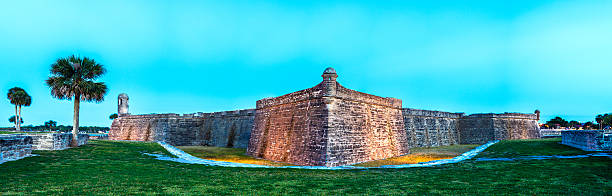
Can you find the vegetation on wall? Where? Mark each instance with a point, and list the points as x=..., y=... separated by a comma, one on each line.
x=113, y=116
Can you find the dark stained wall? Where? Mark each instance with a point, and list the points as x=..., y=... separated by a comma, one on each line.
x=481, y=128
x=222, y=129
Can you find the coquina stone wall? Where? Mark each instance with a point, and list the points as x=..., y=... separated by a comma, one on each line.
x=222, y=129
x=426, y=128
x=14, y=146
x=56, y=141
x=588, y=140
x=480, y=128
x=328, y=125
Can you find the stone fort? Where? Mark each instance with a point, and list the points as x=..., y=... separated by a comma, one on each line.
x=326, y=125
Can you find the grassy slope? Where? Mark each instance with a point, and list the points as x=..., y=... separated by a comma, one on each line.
x=417, y=155
x=517, y=148
x=105, y=167
x=237, y=155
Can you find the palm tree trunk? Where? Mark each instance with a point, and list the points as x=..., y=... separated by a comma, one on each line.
x=16, y=117
x=19, y=120
x=75, y=121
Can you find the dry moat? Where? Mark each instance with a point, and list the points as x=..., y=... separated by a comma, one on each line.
x=417, y=155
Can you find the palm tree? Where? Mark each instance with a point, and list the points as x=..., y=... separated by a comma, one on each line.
x=19, y=98
x=73, y=78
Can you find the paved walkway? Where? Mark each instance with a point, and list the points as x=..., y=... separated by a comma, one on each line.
x=184, y=157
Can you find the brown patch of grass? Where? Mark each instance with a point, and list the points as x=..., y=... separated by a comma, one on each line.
x=419, y=155
x=236, y=155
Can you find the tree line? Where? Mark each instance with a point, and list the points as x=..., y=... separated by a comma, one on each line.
x=602, y=121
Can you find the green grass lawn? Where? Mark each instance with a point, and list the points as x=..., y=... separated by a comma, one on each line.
x=119, y=168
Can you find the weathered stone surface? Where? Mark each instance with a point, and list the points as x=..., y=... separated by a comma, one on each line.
x=97, y=136
x=328, y=125
x=55, y=141
x=480, y=128
x=123, y=105
x=222, y=129
x=426, y=128
x=588, y=140
x=15, y=146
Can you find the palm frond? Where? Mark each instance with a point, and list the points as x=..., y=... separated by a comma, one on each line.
x=72, y=76
x=62, y=67
x=93, y=91
x=91, y=70
x=12, y=91
x=61, y=87
x=20, y=98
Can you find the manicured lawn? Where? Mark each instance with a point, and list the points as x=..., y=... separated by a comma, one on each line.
x=119, y=168
x=237, y=155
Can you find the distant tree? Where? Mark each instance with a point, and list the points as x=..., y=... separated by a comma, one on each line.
x=574, y=124
x=557, y=122
x=74, y=78
x=604, y=120
x=19, y=98
x=589, y=125
x=607, y=120
x=113, y=116
x=12, y=119
x=598, y=119
x=50, y=125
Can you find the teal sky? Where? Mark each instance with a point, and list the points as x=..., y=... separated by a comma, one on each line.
x=206, y=56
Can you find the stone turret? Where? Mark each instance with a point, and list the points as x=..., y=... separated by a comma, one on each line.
x=329, y=81
x=123, y=105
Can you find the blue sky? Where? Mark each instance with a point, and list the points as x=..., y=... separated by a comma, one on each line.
x=206, y=56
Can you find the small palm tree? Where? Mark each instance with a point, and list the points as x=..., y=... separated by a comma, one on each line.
x=74, y=78
x=19, y=98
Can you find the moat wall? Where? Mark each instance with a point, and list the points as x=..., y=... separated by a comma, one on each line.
x=222, y=129
x=14, y=146
x=480, y=128
x=588, y=140
x=426, y=128
x=56, y=141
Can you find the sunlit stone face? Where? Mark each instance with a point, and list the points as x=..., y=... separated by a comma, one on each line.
x=328, y=125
